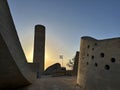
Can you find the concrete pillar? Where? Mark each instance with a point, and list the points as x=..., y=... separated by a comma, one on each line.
x=39, y=47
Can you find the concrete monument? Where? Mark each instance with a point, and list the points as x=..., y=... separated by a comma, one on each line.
x=39, y=48
x=99, y=64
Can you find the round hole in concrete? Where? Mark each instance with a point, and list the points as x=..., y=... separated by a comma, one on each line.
x=113, y=60
x=92, y=48
x=96, y=64
x=87, y=54
x=88, y=46
x=107, y=67
x=87, y=63
x=102, y=55
x=92, y=57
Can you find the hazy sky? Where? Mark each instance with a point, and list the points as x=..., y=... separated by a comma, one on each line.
x=65, y=21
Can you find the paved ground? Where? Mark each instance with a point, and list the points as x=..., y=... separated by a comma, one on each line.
x=54, y=83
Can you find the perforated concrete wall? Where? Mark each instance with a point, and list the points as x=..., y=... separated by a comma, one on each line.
x=99, y=64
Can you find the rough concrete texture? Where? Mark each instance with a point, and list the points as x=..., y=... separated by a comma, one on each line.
x=39, y=47
x=14, y=70
x=99, y=64
x=33, y=67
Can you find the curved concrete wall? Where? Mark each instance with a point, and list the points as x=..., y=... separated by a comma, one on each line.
x=99, y=64
x=14, y=70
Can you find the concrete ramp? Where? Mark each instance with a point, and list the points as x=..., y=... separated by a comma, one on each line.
x=14, y=69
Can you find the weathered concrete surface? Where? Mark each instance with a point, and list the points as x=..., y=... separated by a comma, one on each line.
x=14, y=70
x=99, y=64
x=33, y=67
x=39, y=47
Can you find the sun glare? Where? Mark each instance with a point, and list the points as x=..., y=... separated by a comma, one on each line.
x=29, y=56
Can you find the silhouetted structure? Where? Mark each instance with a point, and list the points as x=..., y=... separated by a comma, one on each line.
x=75, y=66
x=55, y=70
x=52, y=68
x=39, y=48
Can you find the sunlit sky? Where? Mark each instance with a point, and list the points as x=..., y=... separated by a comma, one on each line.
x=65, y=21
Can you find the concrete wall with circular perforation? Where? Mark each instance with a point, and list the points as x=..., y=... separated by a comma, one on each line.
x=99, y=64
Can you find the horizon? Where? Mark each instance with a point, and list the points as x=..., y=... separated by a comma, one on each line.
x=66, y=22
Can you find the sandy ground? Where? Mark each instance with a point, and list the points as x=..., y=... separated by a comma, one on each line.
x=54, y=83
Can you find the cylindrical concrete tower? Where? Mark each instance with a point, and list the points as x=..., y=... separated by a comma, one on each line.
x=39, y=47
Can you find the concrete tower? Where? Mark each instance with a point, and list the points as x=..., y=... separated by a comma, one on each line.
x=39, y=47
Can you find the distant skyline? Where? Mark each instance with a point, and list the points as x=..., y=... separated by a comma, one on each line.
x=66, y=21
